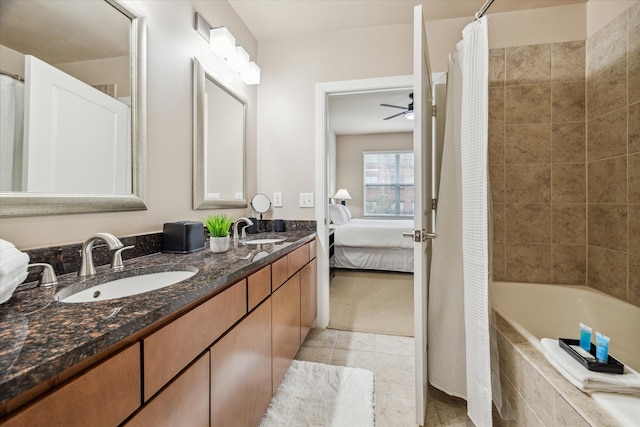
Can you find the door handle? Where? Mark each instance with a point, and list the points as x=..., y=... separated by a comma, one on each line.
x=420, y=235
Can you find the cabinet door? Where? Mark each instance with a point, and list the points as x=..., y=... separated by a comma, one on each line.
x=285, y=327
x=185, y=402
x=258, y=287
x=241, y=371
x=308, y=297
x=104, y=396
x=297, y=259
x=170, y=349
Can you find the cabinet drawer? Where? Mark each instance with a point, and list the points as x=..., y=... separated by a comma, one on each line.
x=170, y=349
x=297, y=259
x=258, y=287
x=104, y=396
x=312, y=249
x=185, y=402
x=279, y=273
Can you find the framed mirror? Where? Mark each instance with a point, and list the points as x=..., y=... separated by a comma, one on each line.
x=218, y=144
x=76, y=75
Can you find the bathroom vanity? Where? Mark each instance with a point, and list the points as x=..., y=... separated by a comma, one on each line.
x=210, y=350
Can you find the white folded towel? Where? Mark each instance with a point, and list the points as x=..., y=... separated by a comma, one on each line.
x=586, y=380
x=13, y=269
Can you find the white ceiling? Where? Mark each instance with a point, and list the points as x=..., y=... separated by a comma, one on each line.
x=361, y=113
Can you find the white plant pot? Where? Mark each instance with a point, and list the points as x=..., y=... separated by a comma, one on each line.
x=219, y=244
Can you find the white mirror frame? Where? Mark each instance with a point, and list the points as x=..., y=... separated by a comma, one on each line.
x=200, y=199
x=33, y=204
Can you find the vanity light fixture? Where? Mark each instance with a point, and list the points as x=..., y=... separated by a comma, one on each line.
x=343, y=195
x=223, y=44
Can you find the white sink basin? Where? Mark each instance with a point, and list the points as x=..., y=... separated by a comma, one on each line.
x=128, y=286
x=262, y=241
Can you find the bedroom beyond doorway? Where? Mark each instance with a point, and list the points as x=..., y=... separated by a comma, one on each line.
x=372, y=301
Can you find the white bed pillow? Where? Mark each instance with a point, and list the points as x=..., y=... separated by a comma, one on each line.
x=337, y=214
x=347, y=211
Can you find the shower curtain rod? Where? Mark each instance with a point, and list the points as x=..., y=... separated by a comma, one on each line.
x=483, y=9
x=13, y=76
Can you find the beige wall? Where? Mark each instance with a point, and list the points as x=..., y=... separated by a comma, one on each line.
x=280, y=131
x=350, y=165
x=172, y=43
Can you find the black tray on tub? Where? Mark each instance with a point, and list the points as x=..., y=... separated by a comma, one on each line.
x=612, y=366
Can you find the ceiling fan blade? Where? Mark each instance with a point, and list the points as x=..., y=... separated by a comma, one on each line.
x=395, y=115
x=393, y=106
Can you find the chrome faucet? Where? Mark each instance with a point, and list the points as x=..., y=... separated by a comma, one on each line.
x=47, y=276
x=86, y=261
x=247, y=222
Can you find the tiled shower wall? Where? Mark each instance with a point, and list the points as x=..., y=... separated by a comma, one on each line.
x=564, y=158
x=613, y=157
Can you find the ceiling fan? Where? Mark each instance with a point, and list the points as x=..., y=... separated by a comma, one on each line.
x=407, y=113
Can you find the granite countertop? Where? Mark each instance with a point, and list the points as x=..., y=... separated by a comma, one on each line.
x=41, y=337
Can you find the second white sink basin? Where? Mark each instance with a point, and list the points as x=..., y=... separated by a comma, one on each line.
x=262, y=241
x=128, y=286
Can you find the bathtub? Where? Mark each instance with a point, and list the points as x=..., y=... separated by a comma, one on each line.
x=538, y=311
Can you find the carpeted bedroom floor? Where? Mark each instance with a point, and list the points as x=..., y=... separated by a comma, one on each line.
x=372, y=301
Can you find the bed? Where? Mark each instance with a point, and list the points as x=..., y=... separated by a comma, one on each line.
x=370, y=244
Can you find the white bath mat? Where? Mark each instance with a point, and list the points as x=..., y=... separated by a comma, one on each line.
x=315, y=394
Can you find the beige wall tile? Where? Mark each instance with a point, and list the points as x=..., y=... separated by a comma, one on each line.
x=528, y=143
x=569, y=264
x=634, y=228
x=528, y=64
x=568, y=102
x=634, y=27
x=569, y=224
x=566, y=415
x=607, y=271
x=608, y=226
x=496, y=144
x=496, y=67
x=607, y=180
x=568, y=183
x=496, y=181
x=607, y=46
x=634, y=179
x=498, y=262
x=634, y=76
x=529, y=263
x=528, y=223
x=496, y=106
x=528, y=183
x=568, y=142
x=634, y=280
x=528, y=104
x=568, y=61
x=499, y=224
x=607, y=90
x=634, y=128
x=607, y=135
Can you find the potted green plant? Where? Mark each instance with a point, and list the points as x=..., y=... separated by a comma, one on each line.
x=218, y=226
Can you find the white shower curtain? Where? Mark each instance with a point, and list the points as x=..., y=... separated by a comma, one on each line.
x=459, y=341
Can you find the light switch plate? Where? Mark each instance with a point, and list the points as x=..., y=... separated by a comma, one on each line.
x=306, y=200
x=277, y=200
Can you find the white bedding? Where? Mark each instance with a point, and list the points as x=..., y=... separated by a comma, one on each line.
x=374, y=233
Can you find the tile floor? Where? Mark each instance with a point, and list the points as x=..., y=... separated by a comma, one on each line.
x=391, y=359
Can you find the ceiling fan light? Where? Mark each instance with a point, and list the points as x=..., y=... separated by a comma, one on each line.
x=409, y=115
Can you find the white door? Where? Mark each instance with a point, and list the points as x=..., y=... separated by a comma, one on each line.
x=422, y=149
x=73, y=132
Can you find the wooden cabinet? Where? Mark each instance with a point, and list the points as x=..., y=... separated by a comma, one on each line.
x=184, y=402
x=103, y=396
x=297, y=259
x=279, y=273
x=258, y=287
x=241, y=371
x=167, y=351
x=285, y=327
x=308, y=297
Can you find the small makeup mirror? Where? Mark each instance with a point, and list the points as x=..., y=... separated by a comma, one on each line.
x=260, y=204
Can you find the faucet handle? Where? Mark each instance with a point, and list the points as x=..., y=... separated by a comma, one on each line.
x=116, y=262
x=48, y=277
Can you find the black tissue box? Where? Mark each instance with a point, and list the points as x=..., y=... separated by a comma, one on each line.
x=182, y=237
